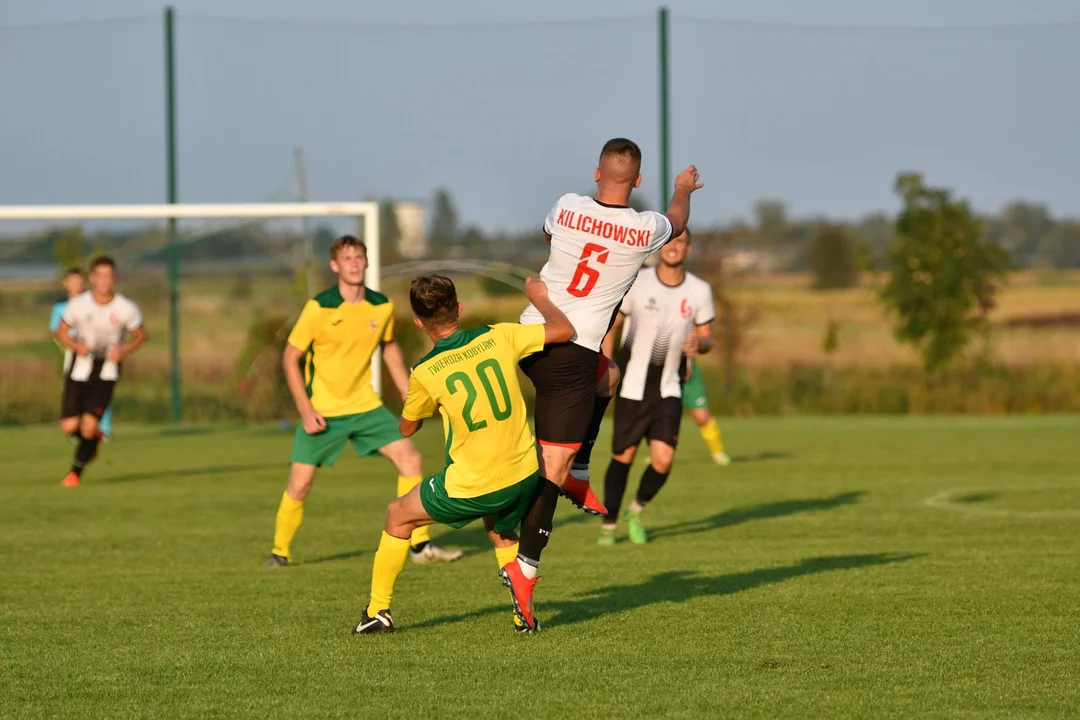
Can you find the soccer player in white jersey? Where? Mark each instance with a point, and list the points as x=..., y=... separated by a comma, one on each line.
x=598, y=244
x=101, y=329
x=75, y=284
x=671, y=314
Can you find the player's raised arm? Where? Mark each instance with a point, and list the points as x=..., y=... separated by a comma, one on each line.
x=557, y=327
x=678, y=212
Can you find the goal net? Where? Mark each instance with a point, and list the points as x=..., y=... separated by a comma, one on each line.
x=220, y=285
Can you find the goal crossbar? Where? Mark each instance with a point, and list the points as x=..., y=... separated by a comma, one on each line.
x=182, y=210
x=369, y=211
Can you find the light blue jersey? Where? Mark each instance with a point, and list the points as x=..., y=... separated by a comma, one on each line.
x=54, y=324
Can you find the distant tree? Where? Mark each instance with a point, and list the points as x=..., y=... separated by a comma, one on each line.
x=1023, y=226
x=1060, y=247
x=390, y=233
x=875, y=235
x=69, y=247
x=322, y=239
x=772, y=220
x=834, y=259
x=943, y=276
x=444, y=224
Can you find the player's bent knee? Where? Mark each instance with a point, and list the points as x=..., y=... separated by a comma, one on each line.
x=626, y=456
x=662, y=458
x=88, y=427
x=555, y=462
x=69, y=426
x=301, y=478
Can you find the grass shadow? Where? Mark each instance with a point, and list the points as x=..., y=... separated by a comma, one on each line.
x=976, y=497
x=765, y=511
x=677, y=587
x=338, y=556
x=760, y=457
x=188, y=472
x=181, y=430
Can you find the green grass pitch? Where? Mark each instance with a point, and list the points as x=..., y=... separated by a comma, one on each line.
x=858, y=567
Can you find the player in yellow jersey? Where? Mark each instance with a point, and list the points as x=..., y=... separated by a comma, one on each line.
x=492, y=471
x=327, y=365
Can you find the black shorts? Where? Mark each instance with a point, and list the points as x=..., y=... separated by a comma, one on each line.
x=86, y=398
x=655, y=418
x=564, y=376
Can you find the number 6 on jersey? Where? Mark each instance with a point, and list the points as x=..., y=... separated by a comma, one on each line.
x=585, y=276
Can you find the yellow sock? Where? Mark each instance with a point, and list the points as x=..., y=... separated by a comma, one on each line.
x=506, y=555
x=710, y=433
x=405, y=483
x=389, y=562
x=289, y=516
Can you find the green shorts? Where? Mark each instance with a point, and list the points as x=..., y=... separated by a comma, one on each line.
x=693, y=391
x=368, y=432
x=508, y=505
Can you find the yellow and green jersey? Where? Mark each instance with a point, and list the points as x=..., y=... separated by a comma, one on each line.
x=472, y=376
x=338, y=339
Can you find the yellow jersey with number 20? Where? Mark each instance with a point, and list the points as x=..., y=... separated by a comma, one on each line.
x=472, y=377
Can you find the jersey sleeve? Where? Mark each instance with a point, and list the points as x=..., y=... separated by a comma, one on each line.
x=662, y=233
x=56, y=316
x=525, y=339
x=549, y=221
x=706, y=312
x=135, y=319
x=388, y=334
x=418, y=402
x=303, y=333
x=628, y=300
x=68, y=315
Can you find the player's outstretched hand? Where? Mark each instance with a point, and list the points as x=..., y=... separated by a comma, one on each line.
x=313, y=422
x=115, y=355
x=535, y=289
x=688, y=178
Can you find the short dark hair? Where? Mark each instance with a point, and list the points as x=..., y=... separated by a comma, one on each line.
x=622, y=146
x=73, y=271
x=433, y=299
x=102, y=260
x=346, y=241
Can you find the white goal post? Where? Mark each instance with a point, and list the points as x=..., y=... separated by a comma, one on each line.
x=367, y=211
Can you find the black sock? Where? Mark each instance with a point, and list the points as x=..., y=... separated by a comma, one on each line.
x=419, y=547
x=651, y=482
x=83, y=453
x=614, y=488
x=536, y=528
x=584, y=455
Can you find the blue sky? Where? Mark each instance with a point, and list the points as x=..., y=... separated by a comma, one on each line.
x=508, y=106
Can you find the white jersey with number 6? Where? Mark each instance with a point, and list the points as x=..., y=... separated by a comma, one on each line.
x=596, y=252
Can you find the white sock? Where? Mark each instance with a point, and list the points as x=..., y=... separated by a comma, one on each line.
x=529, y=571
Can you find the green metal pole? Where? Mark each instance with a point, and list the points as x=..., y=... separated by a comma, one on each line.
x=665, y=107
x=174, y=244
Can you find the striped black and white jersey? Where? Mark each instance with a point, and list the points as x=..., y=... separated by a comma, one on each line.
x=659, y=318
x=596, y=250
x=101, y=327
